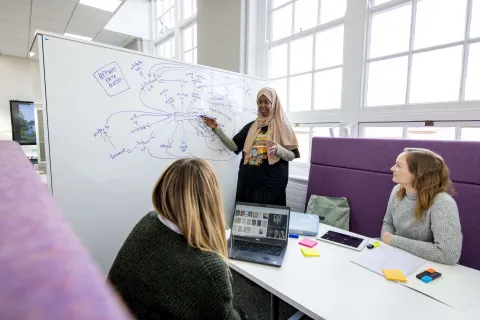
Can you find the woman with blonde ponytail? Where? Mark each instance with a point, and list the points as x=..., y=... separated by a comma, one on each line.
x=172, y=265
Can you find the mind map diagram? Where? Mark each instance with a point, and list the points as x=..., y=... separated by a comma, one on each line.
x=166, y=122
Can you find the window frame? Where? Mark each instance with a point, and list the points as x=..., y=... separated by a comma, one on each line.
x=458, y=125
x=191, y=24
x=297, y=36
x=332, y=126
x=180, y=25
x=353, y=112
x=465, y=43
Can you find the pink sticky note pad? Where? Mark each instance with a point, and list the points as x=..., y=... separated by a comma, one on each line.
x=308, y=243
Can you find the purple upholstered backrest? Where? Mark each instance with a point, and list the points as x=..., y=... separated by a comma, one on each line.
x=359, y=169
x=45, y=273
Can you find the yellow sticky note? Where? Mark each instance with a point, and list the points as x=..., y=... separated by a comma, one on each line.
x=394, y=275
x=310, y=252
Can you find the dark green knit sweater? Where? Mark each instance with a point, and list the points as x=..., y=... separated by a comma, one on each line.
x=160, y=277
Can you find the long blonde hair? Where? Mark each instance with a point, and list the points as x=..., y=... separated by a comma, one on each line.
x=188, y=194
x=431, y=176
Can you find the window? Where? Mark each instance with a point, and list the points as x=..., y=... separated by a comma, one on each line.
x=468, y=131
x=165, y=16
x=431, y=133
x=306, y=53
x=189, y=9
x=305, y=133
x=470, y=134
x=379, y=69
x=166, y=49
x=303, y=137
x=472, y=91
x=175, y=29
x=383, y=132
x=189, y=49
x=417, y=52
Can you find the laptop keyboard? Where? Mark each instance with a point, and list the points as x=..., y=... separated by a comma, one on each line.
x=258, y=247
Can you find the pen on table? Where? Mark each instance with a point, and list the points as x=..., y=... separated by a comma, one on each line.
x=293, y=235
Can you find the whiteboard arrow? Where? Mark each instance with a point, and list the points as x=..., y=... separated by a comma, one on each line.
x=108, y=138
x=183, y=130
x=174, y=132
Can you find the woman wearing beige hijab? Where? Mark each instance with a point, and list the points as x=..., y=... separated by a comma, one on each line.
x=268, y=144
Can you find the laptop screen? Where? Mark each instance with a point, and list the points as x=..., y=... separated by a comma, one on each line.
x=260, y=222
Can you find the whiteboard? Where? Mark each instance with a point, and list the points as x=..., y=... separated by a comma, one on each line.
x=116, y=119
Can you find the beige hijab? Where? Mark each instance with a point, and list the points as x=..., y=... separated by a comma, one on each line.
x=279, y=129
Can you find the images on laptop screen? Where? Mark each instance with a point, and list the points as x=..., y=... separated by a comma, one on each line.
x=260, y=222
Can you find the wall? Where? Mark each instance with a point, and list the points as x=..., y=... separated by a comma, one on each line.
x=19, y=79
x=132, y=19
x=221, y=34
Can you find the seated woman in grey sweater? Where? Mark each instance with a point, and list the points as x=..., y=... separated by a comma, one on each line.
x=173, y=263
x=422, y=217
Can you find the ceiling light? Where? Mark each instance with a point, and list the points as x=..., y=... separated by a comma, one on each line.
x=78, y=37
x=32, y=54
x=107, y=5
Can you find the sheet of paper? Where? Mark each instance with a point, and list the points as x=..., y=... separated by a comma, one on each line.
x=386, y=257
x=453, y=288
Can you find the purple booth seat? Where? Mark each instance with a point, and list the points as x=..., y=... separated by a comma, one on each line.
x=359, y=169
x=45, y=272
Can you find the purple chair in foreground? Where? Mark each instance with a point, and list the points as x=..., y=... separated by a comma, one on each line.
x=359, y=169
x=45, y=273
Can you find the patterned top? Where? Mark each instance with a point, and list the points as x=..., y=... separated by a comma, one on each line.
x=257, y=174
x=259, y=149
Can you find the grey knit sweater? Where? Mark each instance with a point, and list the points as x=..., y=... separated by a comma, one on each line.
x=437, y=237
x=159, y=276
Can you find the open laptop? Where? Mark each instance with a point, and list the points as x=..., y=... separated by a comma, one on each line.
x=259, y=233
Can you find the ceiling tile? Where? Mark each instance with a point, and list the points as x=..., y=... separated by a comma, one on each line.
x=89, y=13
x=83, y=27
x=14, y=11
x=21, y=1
x=14, y=29
x=51, y=14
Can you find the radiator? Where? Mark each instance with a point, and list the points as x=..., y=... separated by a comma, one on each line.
x=296, y=194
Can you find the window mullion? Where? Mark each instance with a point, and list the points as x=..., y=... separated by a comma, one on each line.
x=289, y=45
x=466, y=49
x=178, y=38
x=319, y=12
x=294, y=7
x=405, y=132
x=312, y=93
x=314, y=53
x=410, y=49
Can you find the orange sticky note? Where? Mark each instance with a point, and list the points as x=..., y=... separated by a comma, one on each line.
x=396, y=275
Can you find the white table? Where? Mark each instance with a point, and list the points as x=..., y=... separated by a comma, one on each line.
x=332, y=287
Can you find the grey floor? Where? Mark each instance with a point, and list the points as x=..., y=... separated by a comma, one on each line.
x=255, y=301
